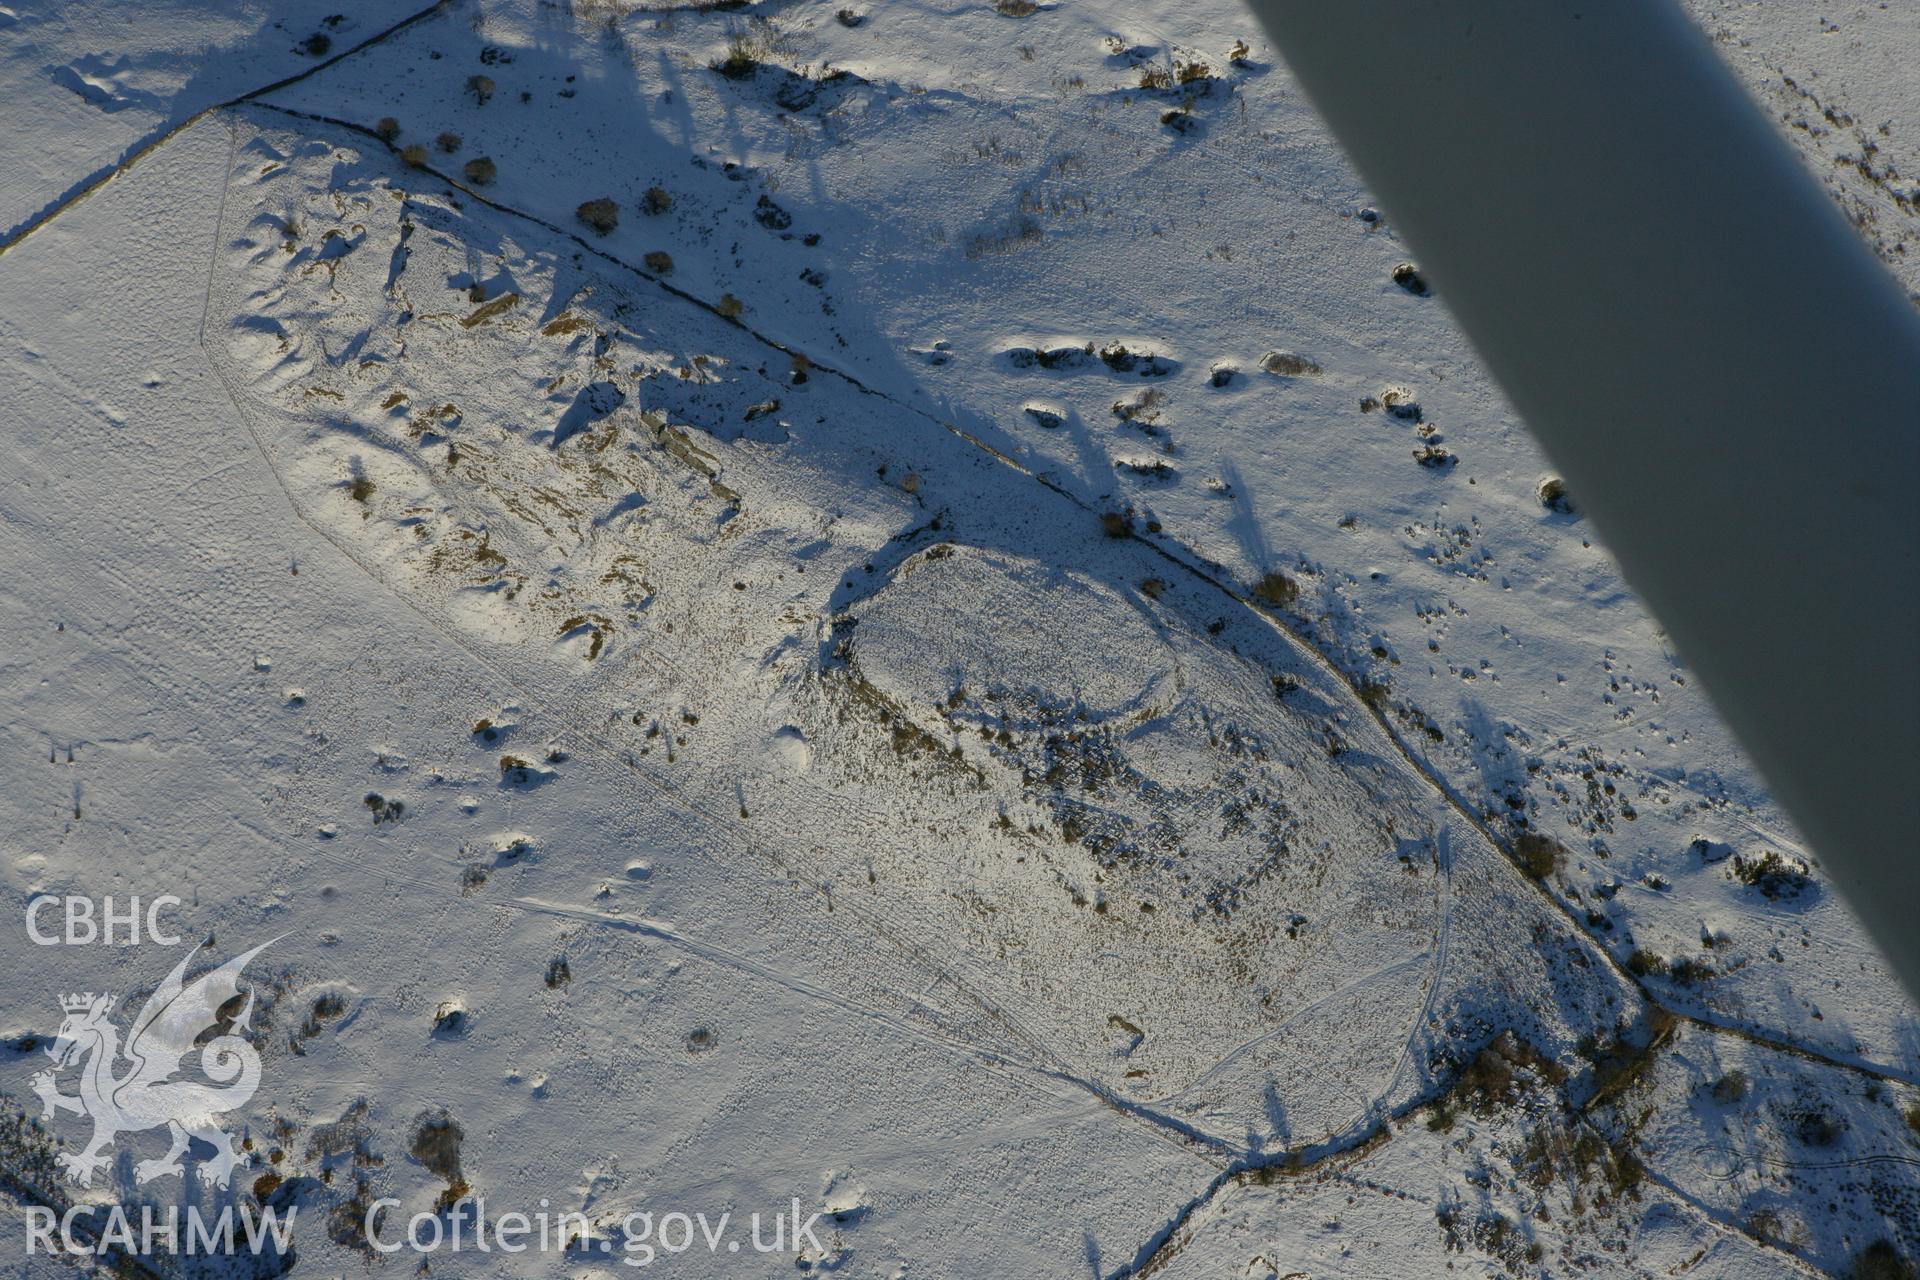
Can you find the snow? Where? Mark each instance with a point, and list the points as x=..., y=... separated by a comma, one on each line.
x=802, y=790
x=91, y=85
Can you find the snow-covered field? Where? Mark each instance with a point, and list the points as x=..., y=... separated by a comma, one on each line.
x=975, y=658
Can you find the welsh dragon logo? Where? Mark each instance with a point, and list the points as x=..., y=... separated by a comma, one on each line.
x=145, y=1095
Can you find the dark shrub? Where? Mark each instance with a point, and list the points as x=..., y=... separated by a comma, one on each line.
x=1276, y=589
x=603, y=215
x=1539, y=855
